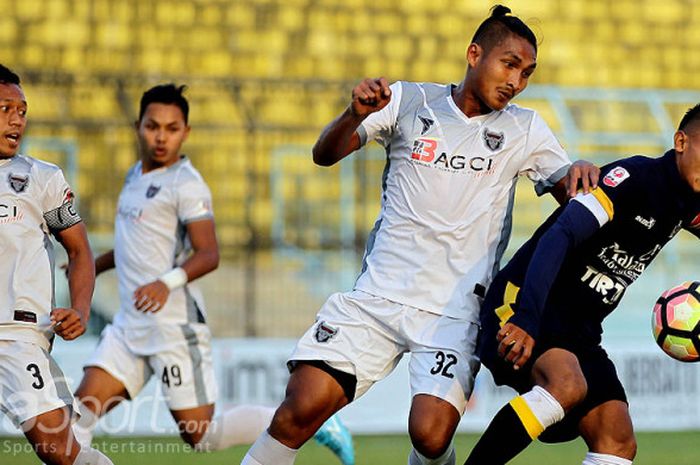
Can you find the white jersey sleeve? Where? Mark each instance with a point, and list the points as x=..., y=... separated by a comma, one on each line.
x=380, y=125
x=548, y=162
x=194, y=201
x=57, y=204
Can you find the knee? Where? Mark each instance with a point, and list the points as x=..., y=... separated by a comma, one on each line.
x=625, y=447
x=570, y=390
x=192, y=432
x=430, y=440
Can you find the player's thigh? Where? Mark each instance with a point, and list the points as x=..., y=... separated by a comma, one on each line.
x=113, y=372
x=100, y=391
x=185, y=369
x=607, y=429
x=31, y=383
x=443, y=360
x=356, y=334
x=51, y=436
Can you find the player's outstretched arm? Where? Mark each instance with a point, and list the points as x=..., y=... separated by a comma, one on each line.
x=581, y=171
x=339, y=139
x=152, y=296
x=69, y=323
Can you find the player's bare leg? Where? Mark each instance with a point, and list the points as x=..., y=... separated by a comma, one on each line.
x=312, y=397
x=609, y=435
x=98, y=393
x=193, y=423
x=52, y=438
x=431, y=425
x=559, y=387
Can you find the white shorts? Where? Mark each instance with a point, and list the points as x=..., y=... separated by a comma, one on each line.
x=366, y=336
x=31, y=383
x=179, y=356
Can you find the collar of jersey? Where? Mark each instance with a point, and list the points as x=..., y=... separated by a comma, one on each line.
x=162, y=169
x=479, y=119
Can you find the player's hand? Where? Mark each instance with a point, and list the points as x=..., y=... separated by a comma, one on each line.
x=369, y=96
x=515, y=345
x=584, y=171
x=151, y=297
x=68, y=323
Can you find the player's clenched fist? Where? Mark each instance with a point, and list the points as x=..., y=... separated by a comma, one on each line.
x=369, y=96
x=151, y=297
x=67, y=323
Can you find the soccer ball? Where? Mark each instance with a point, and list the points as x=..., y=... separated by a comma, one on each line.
x=676, y=322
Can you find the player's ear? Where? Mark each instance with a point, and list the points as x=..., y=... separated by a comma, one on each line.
x=679, y=141
x=187, y=132
x=474, y=52
x=137, y=123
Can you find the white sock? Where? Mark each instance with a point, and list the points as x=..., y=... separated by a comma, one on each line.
x=83, y=428
x=448, y=458
x=545, y=407
x=238, y=425
x=90, y=456
x=593, y=458
x=269, y=451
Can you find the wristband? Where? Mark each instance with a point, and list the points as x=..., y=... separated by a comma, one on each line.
x=174, y=278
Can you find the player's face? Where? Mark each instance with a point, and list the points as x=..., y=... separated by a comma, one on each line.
x=13, y=118
x=502, y=72
x=687, y=146
x=162, y=131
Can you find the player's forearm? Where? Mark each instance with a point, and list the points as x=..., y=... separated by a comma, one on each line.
x=81, y=280
x=104, y=262
x=574, y=225
x=203, y=261
x=336, y=140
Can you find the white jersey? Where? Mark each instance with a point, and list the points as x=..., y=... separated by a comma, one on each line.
x=448, y=192
x=151, y=238
x=35, y=200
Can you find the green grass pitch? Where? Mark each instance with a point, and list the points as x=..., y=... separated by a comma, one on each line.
x=677, y=448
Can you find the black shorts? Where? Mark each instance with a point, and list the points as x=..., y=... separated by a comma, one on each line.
x=599, y=371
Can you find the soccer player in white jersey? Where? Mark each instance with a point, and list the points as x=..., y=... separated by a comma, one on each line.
x=454, y=153
x=165, y=239
x=35, y=203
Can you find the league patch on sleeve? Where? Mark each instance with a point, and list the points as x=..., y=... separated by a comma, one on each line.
x=615, y=177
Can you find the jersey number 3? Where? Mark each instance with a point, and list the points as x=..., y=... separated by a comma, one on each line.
x=443, y=363
x=34, y=370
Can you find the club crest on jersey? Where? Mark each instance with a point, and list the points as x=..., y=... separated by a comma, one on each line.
x=616, y=176
x=152, y=191
x=427, y=123
x=18, y=183
x=325, y=332
x=494, y=140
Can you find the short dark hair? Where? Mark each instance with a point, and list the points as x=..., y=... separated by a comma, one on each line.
x=7, y=76
x=498, y=26
x=165, y=93
x=691, y=116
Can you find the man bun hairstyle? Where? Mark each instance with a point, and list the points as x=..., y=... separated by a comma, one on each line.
x=498, y=26
x=169, y=94
x=7, y=76
x=691, y=117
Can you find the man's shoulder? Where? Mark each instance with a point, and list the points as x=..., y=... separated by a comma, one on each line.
x=515, y=111
x=184, y=172
x=35, y=164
